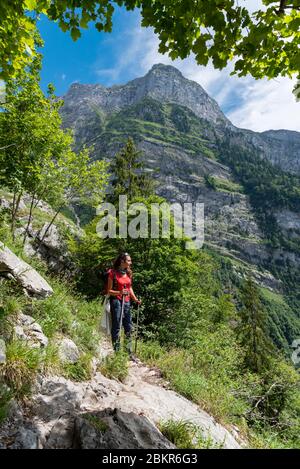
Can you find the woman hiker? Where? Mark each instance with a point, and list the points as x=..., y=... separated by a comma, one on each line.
x=120, y=285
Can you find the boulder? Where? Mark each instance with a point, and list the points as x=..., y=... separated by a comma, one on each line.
x=4, y=204
x=26, y=439
x=39, y=204
x=52, y=240
x=114, y=429
x=24, y=274
x=22, y=205
x=30, y=331
x=2, y=351
x=68, y=351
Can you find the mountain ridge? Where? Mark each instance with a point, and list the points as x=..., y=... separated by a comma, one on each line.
x=161, y=82
x=166, y=84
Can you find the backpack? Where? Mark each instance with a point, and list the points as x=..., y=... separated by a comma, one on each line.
x=104, y=276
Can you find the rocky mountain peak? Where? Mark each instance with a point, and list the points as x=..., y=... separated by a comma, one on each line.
x=164, y=83
x=165, y=69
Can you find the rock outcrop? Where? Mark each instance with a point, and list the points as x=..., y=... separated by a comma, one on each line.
x=162, y=83
x=2, y=351
x=23, y=273
x=114, y=429
x=68, y=351
x=27, y=329
x=104, y=413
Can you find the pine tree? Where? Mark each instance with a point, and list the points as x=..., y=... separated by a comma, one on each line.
x=252, y=329
x=129, y=177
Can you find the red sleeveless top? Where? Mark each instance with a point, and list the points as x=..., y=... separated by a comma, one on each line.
x=122, y=281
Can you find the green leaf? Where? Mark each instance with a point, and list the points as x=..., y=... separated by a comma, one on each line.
x=30, y=4
x=294, y=25
x=63, y=26
x=75, y=33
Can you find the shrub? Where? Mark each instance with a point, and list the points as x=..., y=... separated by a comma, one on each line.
x=21, y=367
x=79, y=371
x=115, y=366
x=186, y=435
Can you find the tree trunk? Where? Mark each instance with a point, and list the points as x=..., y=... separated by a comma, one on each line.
x=48, y=227
x=12, y=212
x=16, y=203
x=40, y=197
x=29, y=219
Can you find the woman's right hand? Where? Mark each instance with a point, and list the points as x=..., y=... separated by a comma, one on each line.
x=125, y=291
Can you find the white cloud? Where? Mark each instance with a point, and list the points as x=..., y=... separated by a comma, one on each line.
x=251, y=5
x=63, y=77
x=267, y=104
x=253, y=104
x=135, y=51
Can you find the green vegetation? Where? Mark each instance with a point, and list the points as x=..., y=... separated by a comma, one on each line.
x=268, y=187
x=206, y=329
x=189, y=328
x=213, y=335
x=129, y=176
x=167, y=124
x=99, y=424
x=218, y=32
x=21, y=367
x=148, y=109
x=66, y=312
x=264, y=406
x=115, y=366
x=207, y=373
x=186, y=434
x=252, y=330
x=36, y=155
x=199, y=336
x=81, y=370
x=282, y=324
x=271, y=189
x=223, y=184
x=5, y=398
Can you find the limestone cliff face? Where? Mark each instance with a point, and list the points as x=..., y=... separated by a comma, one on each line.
x=280, y=147
x=163, y=83
x=85, y=106
x=283, y=149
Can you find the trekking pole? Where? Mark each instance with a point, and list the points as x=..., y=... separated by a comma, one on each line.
x=121, y=317
x=137, y=325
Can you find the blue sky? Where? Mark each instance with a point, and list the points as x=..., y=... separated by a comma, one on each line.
x=130, y=51
x=92, y=58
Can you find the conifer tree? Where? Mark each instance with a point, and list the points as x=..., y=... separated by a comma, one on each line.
x=252, y=329
x=129, y=177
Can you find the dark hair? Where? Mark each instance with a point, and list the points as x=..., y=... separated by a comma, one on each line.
x=122, y=257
